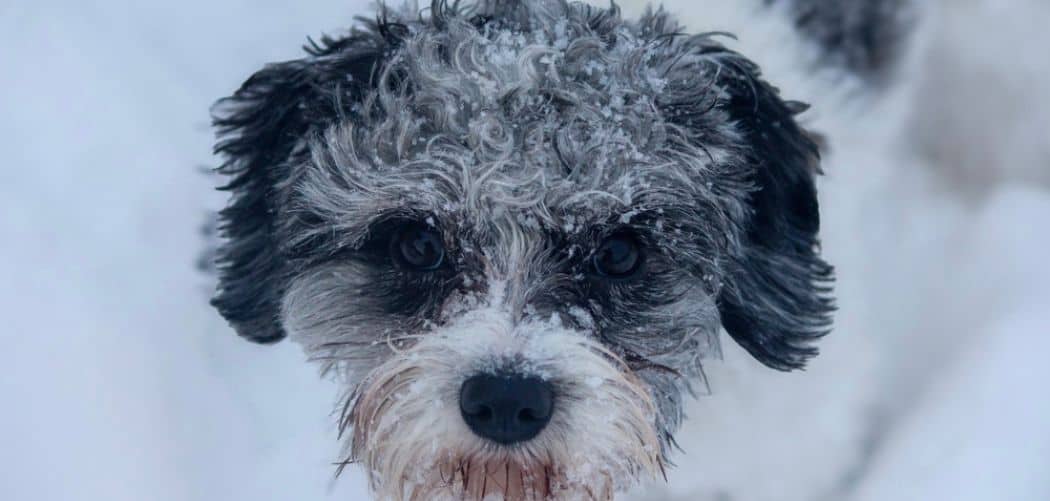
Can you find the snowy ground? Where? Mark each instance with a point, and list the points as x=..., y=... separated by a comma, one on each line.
x=120, y=383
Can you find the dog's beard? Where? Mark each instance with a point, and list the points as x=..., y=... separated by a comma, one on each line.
x=410, y=437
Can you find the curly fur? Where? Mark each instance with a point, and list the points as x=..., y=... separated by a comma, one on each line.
x=524, y=132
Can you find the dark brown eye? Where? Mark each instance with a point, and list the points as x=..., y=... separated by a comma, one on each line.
x=418, y=247
x=619, y=256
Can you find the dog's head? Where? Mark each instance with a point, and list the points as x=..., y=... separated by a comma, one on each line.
x=514, y=230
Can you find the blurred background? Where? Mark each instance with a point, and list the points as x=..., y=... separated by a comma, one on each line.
x=119, y=382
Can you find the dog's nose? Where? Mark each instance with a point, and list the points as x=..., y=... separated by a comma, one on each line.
x=506, y=409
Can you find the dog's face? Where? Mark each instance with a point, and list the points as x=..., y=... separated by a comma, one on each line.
x=515, y=234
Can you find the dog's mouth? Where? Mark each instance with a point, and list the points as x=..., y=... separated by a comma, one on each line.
x=426, y=427
x=513, y=480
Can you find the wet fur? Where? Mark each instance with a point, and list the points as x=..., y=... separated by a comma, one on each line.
x=525, y=132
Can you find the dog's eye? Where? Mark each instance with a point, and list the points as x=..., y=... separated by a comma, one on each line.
x=417, y=246
x=618, y=256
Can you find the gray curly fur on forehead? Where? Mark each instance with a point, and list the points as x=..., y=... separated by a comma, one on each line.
x=549, y=123
x=550, y=108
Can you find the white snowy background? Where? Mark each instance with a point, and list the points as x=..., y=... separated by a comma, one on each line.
x=118, y=382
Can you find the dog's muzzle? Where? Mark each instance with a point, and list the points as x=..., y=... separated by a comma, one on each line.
x=506, y=408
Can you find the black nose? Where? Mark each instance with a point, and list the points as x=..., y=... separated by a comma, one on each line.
x=506, y=408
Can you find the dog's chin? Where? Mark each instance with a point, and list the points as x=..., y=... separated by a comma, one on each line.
x=409, y=435
x=514, y=473
x=501, y=476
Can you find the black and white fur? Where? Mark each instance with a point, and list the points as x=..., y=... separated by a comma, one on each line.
x=525, y=133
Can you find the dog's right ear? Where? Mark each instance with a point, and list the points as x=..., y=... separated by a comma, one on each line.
x=261, y=131
x=258, y=127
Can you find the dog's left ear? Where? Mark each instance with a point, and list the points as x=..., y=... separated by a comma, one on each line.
x=775, y=300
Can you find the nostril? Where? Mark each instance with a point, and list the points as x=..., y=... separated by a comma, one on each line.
x=528, y=415
x=506, y=408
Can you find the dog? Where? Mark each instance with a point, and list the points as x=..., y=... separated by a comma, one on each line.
x=514, y=230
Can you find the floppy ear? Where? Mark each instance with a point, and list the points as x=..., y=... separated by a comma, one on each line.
x=258, y=126
x=775, y=302
x=260, y=130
